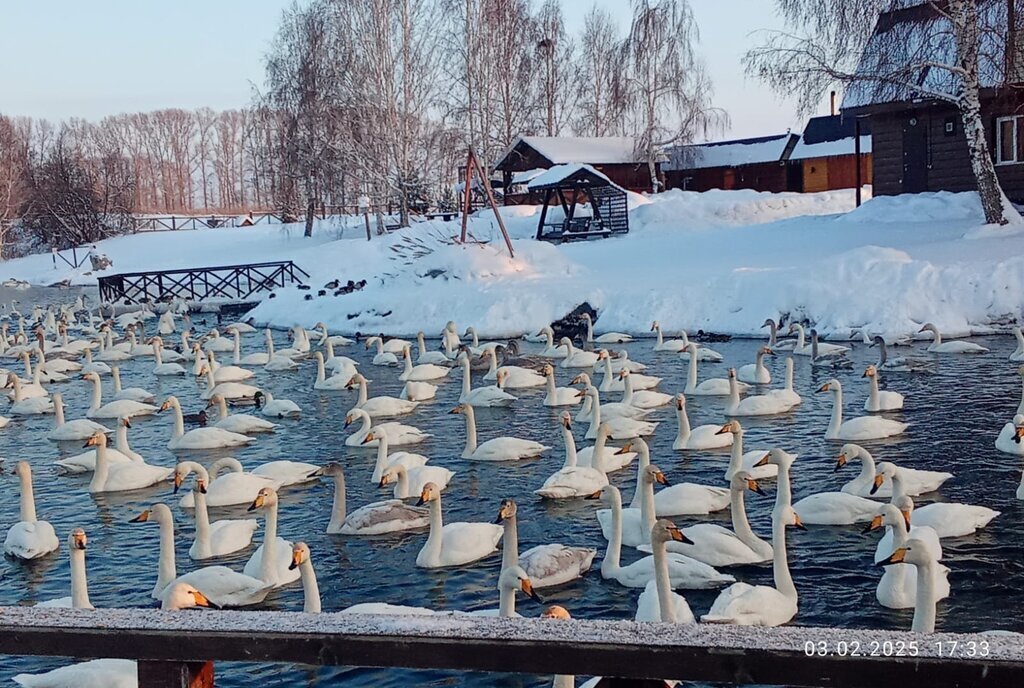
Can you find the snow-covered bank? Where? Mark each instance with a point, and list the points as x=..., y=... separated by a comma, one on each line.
x=720, y=261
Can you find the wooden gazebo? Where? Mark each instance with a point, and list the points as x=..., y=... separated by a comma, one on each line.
x=575, y=185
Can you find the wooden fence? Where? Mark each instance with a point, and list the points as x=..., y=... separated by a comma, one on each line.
x=229, y=282
x=181, y=645
x=170, y=223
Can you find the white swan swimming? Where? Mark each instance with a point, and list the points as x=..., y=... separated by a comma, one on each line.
x=620, y=427
x=1008, y=439
x=879, y=400
x=558, y=396
x=1018, y=353
x=900, y=364
x=644, y=398
x=497, y=448
x=303, y=561
x=86, y=461
x=220, y=537
x=128, y=408
x=79, y=599
x=954, y=347
x=897, y=588
x=607, y=337
x=78, y=429
x=703, y=353
x=385, y=458
x=515, y=377
x=615, y=409
x=658, y=602
x=701, y=437
x=835, y=508
x=418, y=391
x=917, y=553
x=162, y=368
x=662, y=344
x=334, y=383
x=612, y=458
x=227, y=483
x=575, y=358
x=426, y=356
x=422, y=372
x=677, y=499
x=862, y=428
x=241, y=423
x=227, y=389
x=746, y=460
x=915, y=481
x=572, y=480
x=550, y=350
x=787, y=394
x=121, y=477
x=802, y=348
x=547, y=565
x=276, y=408
x=712, y=387
x=382, y=358
x=756, y=373
x=491, y=395
x=613, y=381
x=134, y=393
x=199, y=438
x=454, y=544
x=763, y=605
x=949, y=519
x=271, y=562
x=25, y=405
x=377, y=518
x=769, y=404
x=29, y=538
x=398, y=434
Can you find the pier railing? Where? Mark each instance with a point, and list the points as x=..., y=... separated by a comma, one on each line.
x=228, y=282
x=182, y=645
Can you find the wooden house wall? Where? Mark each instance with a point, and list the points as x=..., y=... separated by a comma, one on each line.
x=767, y=176
x=835, y=172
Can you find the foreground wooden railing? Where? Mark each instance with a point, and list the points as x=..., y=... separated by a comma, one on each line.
x=181, y=643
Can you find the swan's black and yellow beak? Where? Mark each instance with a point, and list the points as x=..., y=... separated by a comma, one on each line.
x=178, y=480
x=424, y=497
x=679, y=403
x=906, y=517
x=256, y=503
x=596, y=495
x=763, y=461
x=201, y=486
x=567, y=422
x=824, y=388
x=78, y=540
x=1018, y=434
x=875, y=524
x=754, y=487
x=840, y=462
x=527, y=587
x=370, y=437
x=660, y=477
x=724, y=429
x=141, y=518
x=457, y=409
x=203, y=601
x=678, y=535
x=877, y=483
x=348, y=421
x=296, y=560
x=581, y=393
x=797, y=523
x=895, y=558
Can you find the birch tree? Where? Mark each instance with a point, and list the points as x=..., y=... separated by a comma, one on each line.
x=939, y=59
x=559, y=69
x=600, y=92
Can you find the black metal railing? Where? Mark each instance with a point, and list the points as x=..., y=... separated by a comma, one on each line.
x=227, y=282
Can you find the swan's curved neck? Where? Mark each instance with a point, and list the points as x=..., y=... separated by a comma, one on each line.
x=28, y=500
x=470, y=430
x=321, y=373
x=938, y=337
x=661, y=339
x=310, y=588
x=338, y=512
x=407, y=358
x=382, y=458
x=550, y=386
x=801, y=340
x=510, y=544
x=734, y=392
x=691, y=374
x=58, y=412
x=613, y=553
x=780, y=562
x=436, y=537
x=740, y=523
x=837, y=413
x=663, y=584
x=97, y=394
x=789, y=374
x=736, y=453
x=79, y=582
x=774, y=333
x=268, y=565
x=179, y=419
x=466, y=384
x=867, y=467
x=402, y=487
x=168, y=570
x=595, y=411
x=1020, y=406
x=238, y=348
x=270, y=345
x=102, y=470
x=683, y=434
x=202, y=524
x=873, y=391
x=627, y=387
x=506, y=600
x=924, y=603
x=608, y=375
x=570, y=448
x=158, y=356
x=492, y=368
x=421, y=343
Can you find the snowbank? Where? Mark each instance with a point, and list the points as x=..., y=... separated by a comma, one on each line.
x=720, y=261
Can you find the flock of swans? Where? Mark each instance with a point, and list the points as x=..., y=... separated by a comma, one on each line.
x=68, y=345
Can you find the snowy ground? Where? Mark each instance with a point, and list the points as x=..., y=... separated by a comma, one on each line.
x=722, y=261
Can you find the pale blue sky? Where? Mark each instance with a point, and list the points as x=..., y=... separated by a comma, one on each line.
x=68, y=58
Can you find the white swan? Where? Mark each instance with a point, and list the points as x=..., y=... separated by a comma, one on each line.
x=879, y=400
x=658, y=602
x=550, y=350
x=230, y=484
x=271, y=562
x=916, y=552
x=607, y=337
x=377, y=518
x=901, y=364
x=27, y=406
x=746, y=461
x=386, y=459
x=547, y=565
x=409, y=482
x=619, y=427
x=835, y=509
x=642, y=399
x=701, y=437
x=862, y=428
x=398, y=434
x=703, y=353
x=572, y=480
x=516, y=377
x=712, y=387
x=612, y=410
x=758, y=405
x=276, y=408
x=219, y=584
x=133, y=393
x=241, y=423
x=756, y=373
x=78, y=429
x=127, y=408
x=382, y=358
x=79, y=599
x=96, y=673
x=897, y=588
x=228, y=390
x=949, y=519
x=427, y=356
x=575, y=358
x=683, y=571
x=333, y=339
x=662, y=344
x=1008, y=439
x=302, y=561
x=612, y=458
x=915, y=481
x=220, y=537
x=454, y=544
x=199, y=438
x=802, y=348
x=161, y=368
x=497, y=448
x=763, y=605
x=678, y=499
x=418, y=391
x=422, y=372
x=86, y=461
x=612, y=380
x=29, y=538
x=491, y=395
x=257, y=357
x=955, y=347
x=558, y=396
x=335, y=383
x=121, y=477
x=1018, y=353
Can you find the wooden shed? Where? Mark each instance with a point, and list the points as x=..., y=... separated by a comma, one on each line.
x=828, y=154
x=917, y=140
x=589, y=204
x=760, y=163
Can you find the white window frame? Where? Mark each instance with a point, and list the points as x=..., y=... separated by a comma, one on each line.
x=999, y=139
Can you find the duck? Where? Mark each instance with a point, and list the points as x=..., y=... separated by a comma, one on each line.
x=219, y=584
x=607, y=337
x=683, y=571
x=382, y=358
x=619, y=427
x=897, y=588
x=497, y=448
x=757, y=405
x=802, y=348
x=548, y=565
x=488, y=396
x=701, y=437
x=678, y=498
x=879, y=401
x=199, y=438
x=571, y=480
x=219, y=538
x=658, y=602
x=712, y=387
x=764, y=605
x=378, y=518
x=900, y=364
x=746, y=461
x=275, y=408
x=75, y=430
x=424, y=371
x=138, y=394
x=949, y=519
x=380, y=406
x=271, y=562
x=79, y=599
x=126, y=408
x=954, y=347
x=241, y=423
x=856, y=429
x=662, y=344
x=756, y=373
x=515, y=377
x=557, y=396
x=398, y=434
x=612, y=380
x=121, y=476
x=914, y=481
x=642, y=399
x=427, y=356
x=575, y=358
x=29, y=538
x=454, y=544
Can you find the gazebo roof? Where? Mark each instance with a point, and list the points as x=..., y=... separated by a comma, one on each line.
x=571, y=175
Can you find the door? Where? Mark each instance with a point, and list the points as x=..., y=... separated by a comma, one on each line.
x=915, y=154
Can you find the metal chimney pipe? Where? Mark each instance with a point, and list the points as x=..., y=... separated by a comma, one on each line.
x=832, y=102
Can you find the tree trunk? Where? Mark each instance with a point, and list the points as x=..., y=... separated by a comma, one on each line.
x=310, y=207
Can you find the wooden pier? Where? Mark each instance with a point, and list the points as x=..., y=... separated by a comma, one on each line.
x=227, y=282
x=183, y=644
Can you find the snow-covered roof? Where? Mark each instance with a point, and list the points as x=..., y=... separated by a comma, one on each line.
x=560, y=173
x=831, y=135
x=907, y=44
x=525, y=177
x=560, y=150
x=825, y=149
x=731, y=153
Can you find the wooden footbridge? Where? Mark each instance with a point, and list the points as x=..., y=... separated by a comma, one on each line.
x=223, y=282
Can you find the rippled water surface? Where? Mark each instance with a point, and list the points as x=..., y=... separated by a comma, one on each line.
x=954, y=415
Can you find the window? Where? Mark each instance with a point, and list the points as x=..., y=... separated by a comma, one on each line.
x=1010, y=140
